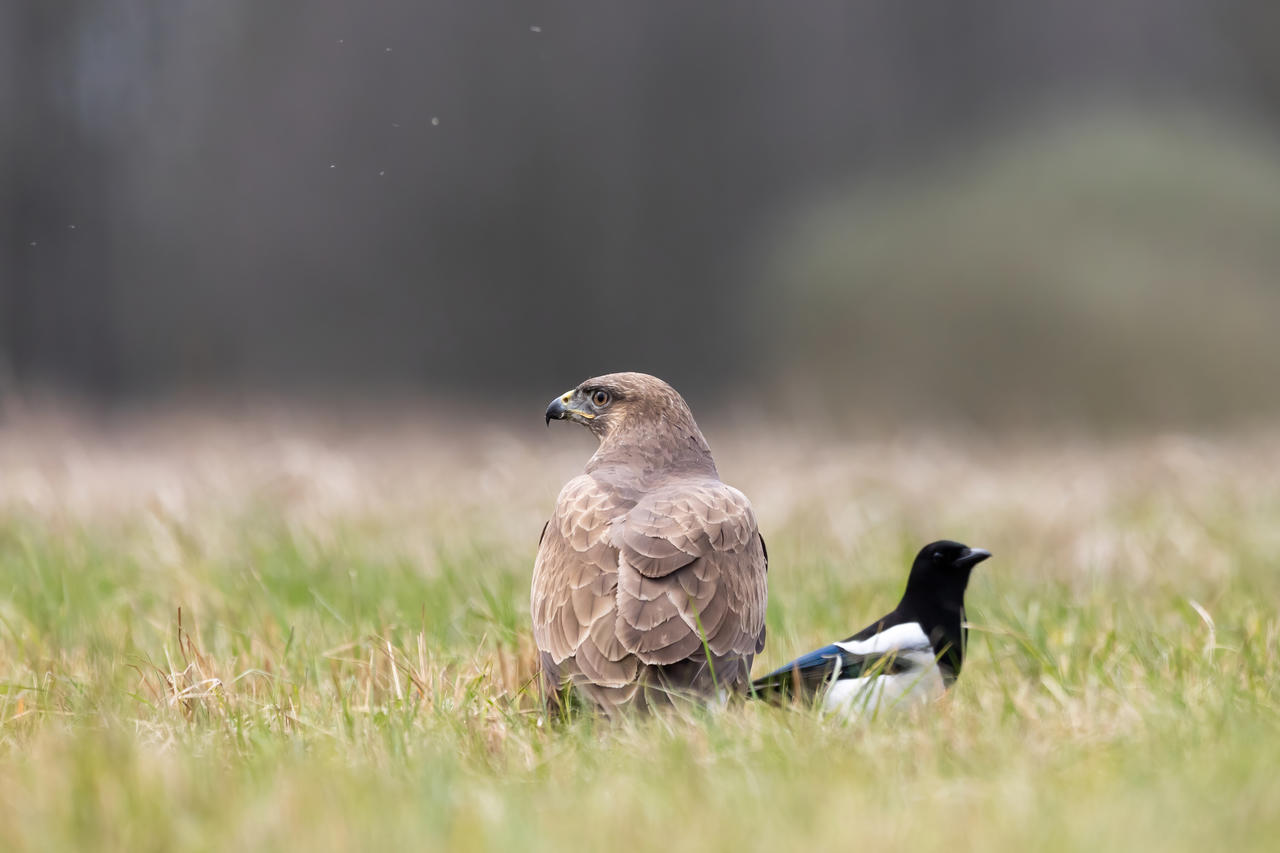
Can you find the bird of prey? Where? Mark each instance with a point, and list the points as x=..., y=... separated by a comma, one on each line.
x=650, y=576
x=908, y=656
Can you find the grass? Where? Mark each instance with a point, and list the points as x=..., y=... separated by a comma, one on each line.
x=284, y=634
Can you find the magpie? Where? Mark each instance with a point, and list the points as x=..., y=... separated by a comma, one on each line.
x=910, y=655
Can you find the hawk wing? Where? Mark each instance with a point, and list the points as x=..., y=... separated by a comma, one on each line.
x=575, y=578
x=692, y=564
x=617, y=588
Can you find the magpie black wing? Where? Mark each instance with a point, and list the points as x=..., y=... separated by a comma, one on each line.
x=807, y=674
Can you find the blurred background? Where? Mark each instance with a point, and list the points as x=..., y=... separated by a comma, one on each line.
x=1065, y=212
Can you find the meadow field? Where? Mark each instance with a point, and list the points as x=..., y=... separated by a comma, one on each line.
x=304, y=632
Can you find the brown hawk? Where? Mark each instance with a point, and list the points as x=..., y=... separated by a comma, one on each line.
x=650, y=576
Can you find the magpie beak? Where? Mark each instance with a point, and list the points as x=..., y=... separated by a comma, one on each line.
x=972, y=557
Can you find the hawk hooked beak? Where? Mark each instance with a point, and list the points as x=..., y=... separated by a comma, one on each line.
x=565, y=407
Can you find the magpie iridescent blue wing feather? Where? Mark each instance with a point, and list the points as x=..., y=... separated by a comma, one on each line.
x=809, y=673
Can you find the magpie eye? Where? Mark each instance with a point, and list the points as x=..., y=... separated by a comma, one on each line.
x=600, y=399
x=937, y=555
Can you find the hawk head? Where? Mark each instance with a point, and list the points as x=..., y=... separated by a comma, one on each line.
x=617, y=403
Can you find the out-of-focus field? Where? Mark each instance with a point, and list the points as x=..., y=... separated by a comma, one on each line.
x=283, y=632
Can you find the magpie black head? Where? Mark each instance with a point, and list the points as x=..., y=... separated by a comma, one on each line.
x=945, y=554
x=940, y=574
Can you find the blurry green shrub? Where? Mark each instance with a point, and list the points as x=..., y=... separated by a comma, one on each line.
x=1109, y=270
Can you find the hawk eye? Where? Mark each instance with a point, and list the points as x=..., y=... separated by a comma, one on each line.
x=600, y=399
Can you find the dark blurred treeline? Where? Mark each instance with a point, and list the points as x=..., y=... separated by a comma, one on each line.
x=329, y=196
